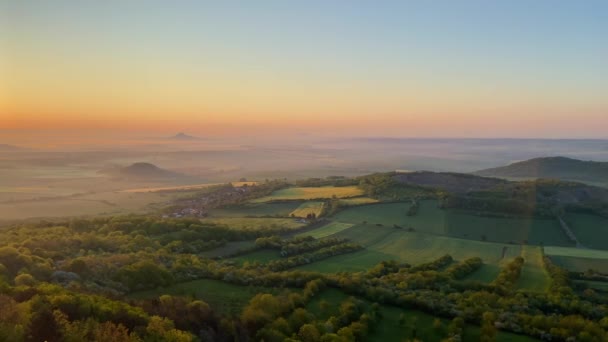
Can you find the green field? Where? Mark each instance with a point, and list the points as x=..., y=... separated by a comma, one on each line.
x=459, y=224
x=261, y=256
x=578, y=264
x=309, y=208
x=384, y=243
x=281, y=209
x=227, y=298
x=533, y=277
x=328, y=229
x=533, y=230
x=485, y=274
x=256, y=223
x=303, y=193
x=590, y=230
x=430, y=218
x=576, y=252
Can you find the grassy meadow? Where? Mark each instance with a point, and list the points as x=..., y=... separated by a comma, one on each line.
x=227, y=298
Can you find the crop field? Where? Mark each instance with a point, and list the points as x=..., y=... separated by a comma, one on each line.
x=309, y=208
x=579, y=264
x=533, y=277
x=535, y=231
x=228, y=298
x=590, y=230
x=384, y=243
x=304, y=193
x=429, y=219
x=578, y=259
x=576, y=252
x=278, y=209
x=349, y=202
x=327, y=230
x=256, y=222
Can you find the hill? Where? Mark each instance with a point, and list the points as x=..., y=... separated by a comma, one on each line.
x=553, y=167
x=183, y=136
x=452, y=182
x=141, y=170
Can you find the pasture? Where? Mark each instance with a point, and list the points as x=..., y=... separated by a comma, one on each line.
x=385, y=243
x=580, y=264
x=227, y=298
x=590, y=230
x=534, y=231
x=578, y=259
x=327, y=230
x=311, y=193
x=429, y=219
x=309, y=208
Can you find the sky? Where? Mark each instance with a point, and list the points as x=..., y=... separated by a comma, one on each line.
x=395, y=68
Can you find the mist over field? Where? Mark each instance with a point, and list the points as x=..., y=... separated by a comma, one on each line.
x=55, y=175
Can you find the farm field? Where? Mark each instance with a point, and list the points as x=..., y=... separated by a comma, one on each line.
x=580, y=264
x=383, y=243
x=256, y=222
x=590, y=230
x=535, y=231
x=309, y=208
x=429, y=219
x=576, y=252
x=533, y=276
x=311, y=193
x=227, y=298
x=327, y=230
x=278, y=209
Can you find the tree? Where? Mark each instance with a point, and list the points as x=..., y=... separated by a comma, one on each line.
x=309, y=333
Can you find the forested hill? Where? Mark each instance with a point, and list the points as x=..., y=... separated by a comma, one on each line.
x=553, y=167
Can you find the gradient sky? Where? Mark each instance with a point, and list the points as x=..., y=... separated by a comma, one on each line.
x=400, y=68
